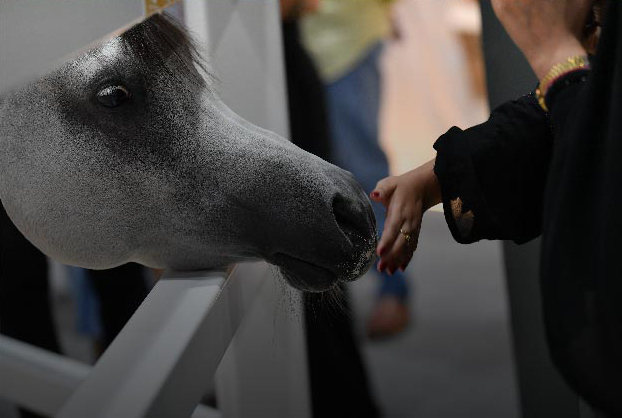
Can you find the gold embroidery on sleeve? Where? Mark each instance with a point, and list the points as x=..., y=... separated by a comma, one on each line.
x=464, y=221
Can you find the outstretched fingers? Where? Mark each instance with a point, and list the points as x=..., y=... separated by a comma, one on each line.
x=406, y=197
x=384, y=190
x=392, y=225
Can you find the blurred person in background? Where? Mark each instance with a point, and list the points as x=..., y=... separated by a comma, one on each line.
x=86, y=307
x=345, y=38
x=104, y=300
x=308, y=119
x=25, y=306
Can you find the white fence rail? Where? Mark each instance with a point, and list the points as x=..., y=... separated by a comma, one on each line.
x=28, y=370
x=38, y=379
x=165, y=358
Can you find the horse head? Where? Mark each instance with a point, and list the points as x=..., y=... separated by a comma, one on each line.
x=128, y=154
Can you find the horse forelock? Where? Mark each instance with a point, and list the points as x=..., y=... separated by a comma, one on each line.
x=161, y=42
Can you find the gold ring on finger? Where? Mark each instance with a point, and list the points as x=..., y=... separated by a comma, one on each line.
x=406, y=235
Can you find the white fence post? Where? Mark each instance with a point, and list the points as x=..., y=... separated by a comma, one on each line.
x=264, y=372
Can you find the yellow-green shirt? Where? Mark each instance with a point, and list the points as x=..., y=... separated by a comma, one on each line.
x=339, y=34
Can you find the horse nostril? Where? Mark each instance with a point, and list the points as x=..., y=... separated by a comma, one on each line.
x=351, y=220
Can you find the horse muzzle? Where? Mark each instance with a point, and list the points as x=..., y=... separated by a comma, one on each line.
x=339, y=248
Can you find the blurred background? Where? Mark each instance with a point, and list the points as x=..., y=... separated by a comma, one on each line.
x=434, y=78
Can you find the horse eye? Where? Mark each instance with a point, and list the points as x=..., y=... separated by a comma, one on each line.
x=113, y=96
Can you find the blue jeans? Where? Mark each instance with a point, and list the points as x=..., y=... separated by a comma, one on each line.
x=88, y=319
x=353, y=103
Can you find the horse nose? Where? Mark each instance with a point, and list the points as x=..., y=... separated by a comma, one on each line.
x=352, y=219
x=355, y=219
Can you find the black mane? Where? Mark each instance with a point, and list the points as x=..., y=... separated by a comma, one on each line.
x=161, y=42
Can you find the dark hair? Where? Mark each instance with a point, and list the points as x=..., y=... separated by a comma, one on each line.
x=161, y=41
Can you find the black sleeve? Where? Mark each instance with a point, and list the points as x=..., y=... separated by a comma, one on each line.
x=582, y=235
x=492, y=175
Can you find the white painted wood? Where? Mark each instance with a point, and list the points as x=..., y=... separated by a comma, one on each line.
x=159, y=364
x=264, y=372
x=42, y=381
x=37, y=378
x=244, y=44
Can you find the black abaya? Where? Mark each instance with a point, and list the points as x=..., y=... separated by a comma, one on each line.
x=513, y=177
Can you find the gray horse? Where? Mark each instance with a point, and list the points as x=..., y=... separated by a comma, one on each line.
x=127, y=154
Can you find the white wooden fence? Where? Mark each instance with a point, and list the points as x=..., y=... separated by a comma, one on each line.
x=163, y=360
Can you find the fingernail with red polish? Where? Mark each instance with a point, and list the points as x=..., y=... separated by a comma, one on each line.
x=375, y=194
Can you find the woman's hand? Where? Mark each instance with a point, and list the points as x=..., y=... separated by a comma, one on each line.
x=406, y=198
x=547, y=31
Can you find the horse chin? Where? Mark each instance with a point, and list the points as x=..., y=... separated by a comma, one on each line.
x=361, y=263
x=304, y=275
x=310, y=277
